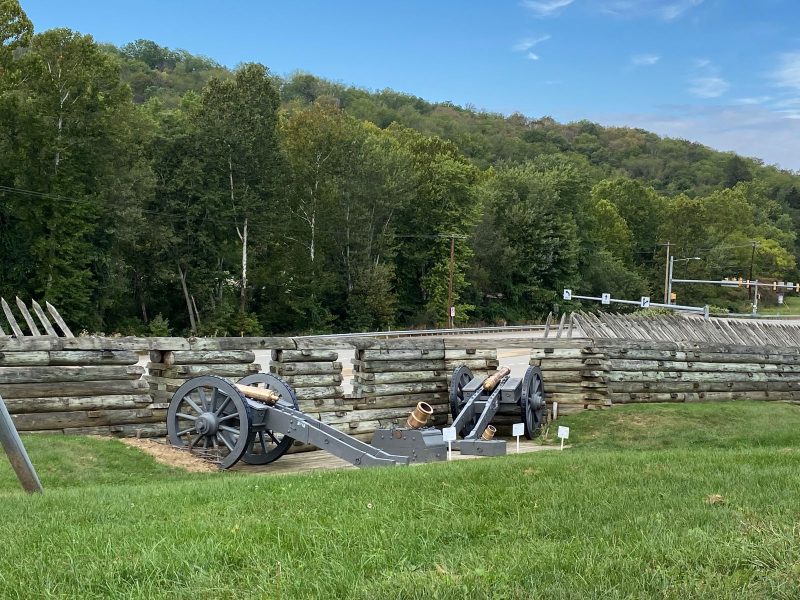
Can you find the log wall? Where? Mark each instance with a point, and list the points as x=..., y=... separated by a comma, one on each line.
x=391, y=377
x=89, y=392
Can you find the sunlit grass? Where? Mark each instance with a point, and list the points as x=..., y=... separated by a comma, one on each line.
x=670, y=501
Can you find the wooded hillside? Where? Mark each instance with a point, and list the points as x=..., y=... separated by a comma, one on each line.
x=144, y=189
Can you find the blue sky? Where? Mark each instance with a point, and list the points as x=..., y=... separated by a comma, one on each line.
x=722, y=72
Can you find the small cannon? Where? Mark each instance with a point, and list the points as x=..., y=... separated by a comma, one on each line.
x=419, y=443
x=256, y=420
x=474, y=401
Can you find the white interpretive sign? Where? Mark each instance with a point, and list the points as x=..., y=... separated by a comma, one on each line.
x=518, y=429
x=563, y=433
x=449, y=435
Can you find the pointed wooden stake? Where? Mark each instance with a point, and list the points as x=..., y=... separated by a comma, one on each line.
x=27, y=316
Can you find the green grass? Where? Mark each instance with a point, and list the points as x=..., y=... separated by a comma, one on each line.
x=621, y=514
x=791, y=306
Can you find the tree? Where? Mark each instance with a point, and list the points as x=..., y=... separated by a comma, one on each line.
x=76, y=143
x=237, y=125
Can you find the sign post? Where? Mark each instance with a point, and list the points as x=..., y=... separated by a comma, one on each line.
x=518, y=429
x=563, y=433
x=449, y=435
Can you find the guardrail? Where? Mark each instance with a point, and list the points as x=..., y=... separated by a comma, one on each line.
x=428, y=332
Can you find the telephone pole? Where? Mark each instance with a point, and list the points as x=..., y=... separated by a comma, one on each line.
x=450, y=283
x=666, y=275
x=750, y=277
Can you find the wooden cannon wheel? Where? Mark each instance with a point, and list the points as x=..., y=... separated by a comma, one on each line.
x=268, y=446
x=532, y=403
x=208, y=416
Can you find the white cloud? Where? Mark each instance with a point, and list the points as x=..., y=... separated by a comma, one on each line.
x=532, y=56
x=546, y=8
x=529, y=43
x=645, y=60
x=668, y=11
x=754, y=100
x=788, y=72
x=709, y=87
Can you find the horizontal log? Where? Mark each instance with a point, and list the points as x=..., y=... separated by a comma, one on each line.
x=189, y=371
x=401, y=354
x=696, y=356
x=401, y=400
x=207, y=357
x=560, y=353
x=561, y=376
x=93, y=357
x=634, y=398
x=145, y=430
x=311, y=393
x=470, y=353
x=8, y=359
x=324, y=405
x=60, y=403
x=82, y=418
x=63, y=374
x=694, y=386
x=583, y=398
x=306, y=368
x=384, y=366
x=612, y=345
x=620, y=376
x=690, y=366
x=73, y=389
x=305, y=381
x=400, y=377
x=378, y=413
x=479, y=363
x=287, y=356
x=392, y=389
x=568, y=365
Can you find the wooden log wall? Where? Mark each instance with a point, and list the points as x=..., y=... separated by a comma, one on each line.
x=315, y=375
x=573, y=373
x=169, y=369
x=97, y=392
x=648, y=371
x=391, y=377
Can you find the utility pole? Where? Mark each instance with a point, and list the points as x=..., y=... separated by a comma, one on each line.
x=450, y=283
x=666, y=275
x=750, y=277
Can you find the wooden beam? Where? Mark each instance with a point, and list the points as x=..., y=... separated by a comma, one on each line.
x=48, y=327
x=27, y=316
x=15, y=328
x=59, y=321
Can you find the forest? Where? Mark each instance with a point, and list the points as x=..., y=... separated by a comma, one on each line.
x=146, y=190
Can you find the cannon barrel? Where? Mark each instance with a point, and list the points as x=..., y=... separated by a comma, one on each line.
x=260, y=394
x=492, y=381
x=419, y=416
x=489, y=432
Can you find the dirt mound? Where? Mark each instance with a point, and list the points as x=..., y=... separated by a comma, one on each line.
x=170, y=456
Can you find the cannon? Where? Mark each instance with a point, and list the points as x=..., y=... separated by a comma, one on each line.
x=474, y=401
x=415, y=440
x=256, y=420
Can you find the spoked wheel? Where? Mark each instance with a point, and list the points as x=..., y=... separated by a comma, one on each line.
x=209, y=417
x=267, y=445
x=532, y=404
x=461, y=377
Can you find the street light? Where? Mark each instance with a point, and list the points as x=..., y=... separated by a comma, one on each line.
x=672, y=261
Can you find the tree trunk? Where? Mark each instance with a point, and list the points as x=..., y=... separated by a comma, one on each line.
x=243, y=298
x=192, y=323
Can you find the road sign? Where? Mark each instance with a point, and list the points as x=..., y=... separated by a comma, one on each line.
x=567, y=294
x=452, y=311
x=605, y=299
x=645, y=302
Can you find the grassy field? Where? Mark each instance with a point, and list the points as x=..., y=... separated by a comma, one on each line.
x=659, y=501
